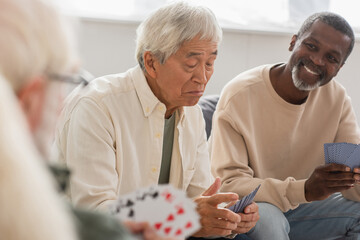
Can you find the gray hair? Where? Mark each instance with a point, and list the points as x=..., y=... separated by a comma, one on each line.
x=163, y=32
x=35, y=39
x=334, y=20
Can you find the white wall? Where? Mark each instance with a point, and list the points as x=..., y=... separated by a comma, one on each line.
x=108, y=47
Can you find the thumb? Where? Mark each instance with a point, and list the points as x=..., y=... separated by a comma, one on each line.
x=214, y=188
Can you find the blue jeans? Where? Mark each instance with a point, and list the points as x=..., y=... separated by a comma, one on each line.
x=237, y=237
x=332, y=218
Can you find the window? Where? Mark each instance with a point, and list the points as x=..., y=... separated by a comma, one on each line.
x=265, y=15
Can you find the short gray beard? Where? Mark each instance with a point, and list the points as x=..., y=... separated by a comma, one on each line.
x=300, y=84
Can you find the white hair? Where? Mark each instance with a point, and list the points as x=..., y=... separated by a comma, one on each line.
x=35, y=39
x=30, y=207
x=163, y=32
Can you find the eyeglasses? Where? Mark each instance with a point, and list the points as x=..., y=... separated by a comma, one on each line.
x=82, y=77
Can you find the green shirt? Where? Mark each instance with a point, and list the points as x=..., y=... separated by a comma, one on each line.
x=167, y=149
x=91, y=225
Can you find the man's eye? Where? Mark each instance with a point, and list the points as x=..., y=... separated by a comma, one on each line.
x=332, y=59
x=310, y=46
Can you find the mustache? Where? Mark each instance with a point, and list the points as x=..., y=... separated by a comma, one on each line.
x=311, y=65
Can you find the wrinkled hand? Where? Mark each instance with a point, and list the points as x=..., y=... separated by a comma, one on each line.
x=328, y=179
x=143, y=229
x=248, y=218
x=216, y=221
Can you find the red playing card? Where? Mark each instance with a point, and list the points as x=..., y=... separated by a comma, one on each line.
x=170, y=212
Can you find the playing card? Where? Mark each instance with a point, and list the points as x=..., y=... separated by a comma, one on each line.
x=346, y=150
x=342, y=153
x=332, y=151
x=326, y=152
x=165, y=208
x=241, y=204
x=354, y=159
x=125, y=207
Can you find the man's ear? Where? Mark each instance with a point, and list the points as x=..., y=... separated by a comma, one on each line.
x=31, y=98
x=292, y=43
x=150, y=64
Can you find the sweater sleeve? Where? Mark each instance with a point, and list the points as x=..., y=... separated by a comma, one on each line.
x=230, y=161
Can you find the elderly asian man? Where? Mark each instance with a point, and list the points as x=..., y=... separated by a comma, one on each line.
x=142, y=127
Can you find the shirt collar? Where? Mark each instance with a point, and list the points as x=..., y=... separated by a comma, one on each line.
x=181, y=115
x=147, y=98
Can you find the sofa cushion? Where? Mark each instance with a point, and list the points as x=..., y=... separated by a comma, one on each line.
x=208, y=106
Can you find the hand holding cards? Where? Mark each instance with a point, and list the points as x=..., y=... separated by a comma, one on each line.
x=241, y=204
x=165, y=208
x=343, y=153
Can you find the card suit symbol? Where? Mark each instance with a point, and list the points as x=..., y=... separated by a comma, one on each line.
x=168, y=196
x=178, y=232
x=188, y=225
x=170, y=217
x=129, y=203
x=155, y=195
x=180, y=211
x=158, y=225
x=131, y=213
x=167, y=230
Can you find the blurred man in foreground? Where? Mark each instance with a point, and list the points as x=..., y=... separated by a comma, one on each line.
x=37, y=53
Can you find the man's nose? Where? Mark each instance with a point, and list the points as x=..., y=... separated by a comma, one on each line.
x=200, y=75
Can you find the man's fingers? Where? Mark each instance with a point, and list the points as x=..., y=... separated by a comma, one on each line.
x=248, y=224
x=340, y=176
x=212, y=231
x=344, y=183
x=339, y=189
x=136, y=227
x=251, y=208
x=214, y=188
x=230, y=204
x=226, y=214
x=218, y=223
x=335, y=167
x=218, y=198
x=241, y=230
x=252, y=217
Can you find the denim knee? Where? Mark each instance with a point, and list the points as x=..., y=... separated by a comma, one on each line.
x=271, y=225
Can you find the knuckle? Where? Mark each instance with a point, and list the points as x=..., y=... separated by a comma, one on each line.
x=230, y=225
x=230, y=215
x=204, y=222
